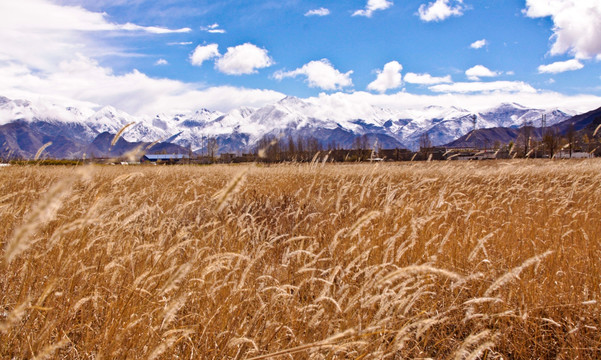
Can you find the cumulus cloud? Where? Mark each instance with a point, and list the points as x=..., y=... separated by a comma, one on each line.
x=161, y=62
x=484, y=87
x=426, y=79
x=388, y=78
x=440, y=10
x=560, y=66
x=576, y=25
x=318, y=12
x=320, y=74
x=243, y=59
x=480, y=71
x=479, y=44
x=373, y=5
x=204, y=53
x=213, y=29
x=83, y=82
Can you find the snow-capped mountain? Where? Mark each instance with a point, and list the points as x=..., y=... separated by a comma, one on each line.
x=336, y=124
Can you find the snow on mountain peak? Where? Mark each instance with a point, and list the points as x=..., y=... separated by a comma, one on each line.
x=334, y=119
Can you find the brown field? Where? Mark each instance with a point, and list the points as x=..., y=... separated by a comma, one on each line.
x=419, y=260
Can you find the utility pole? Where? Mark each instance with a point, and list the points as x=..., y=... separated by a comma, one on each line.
x=543, y=126
x=475, y=123
x=543, y=122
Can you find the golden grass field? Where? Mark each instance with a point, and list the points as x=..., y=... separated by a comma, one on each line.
x=447, y=260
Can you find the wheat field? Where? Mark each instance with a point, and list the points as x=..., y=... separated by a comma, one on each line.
x=447, y=260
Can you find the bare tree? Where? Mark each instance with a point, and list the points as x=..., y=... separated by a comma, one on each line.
x=212, y=147
x=551, y=142
x=571, y=137
x=424, y=142
x=526, y=136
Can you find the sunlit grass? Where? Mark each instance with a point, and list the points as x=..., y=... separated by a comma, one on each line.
x=442, y=260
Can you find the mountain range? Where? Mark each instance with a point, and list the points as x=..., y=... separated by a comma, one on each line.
x=25, y=126
x=581, y=125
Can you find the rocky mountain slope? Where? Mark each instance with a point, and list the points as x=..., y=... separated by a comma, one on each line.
x=581, y=124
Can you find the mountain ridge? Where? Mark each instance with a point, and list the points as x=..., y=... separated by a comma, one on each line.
x=241, y=129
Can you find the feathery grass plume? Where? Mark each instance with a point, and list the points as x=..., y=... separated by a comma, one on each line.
x=482, y=300
x=120, y=132
x=515, y=272
x=126, y=177
x=176, y=278
x=49, y=350
x=135, y=154
x=362, y=221
x=171, y=310
x=169, y=339
x=596, y=129
x=420, y=269
x=327, y=343
x=480, y=246
x=315, y=159
x=152, y=144
x=43, y=211
x=41, y=149
x=463, y=352
x=14, y=316
x=263, y=151
x=413, y=157
x=222, y=196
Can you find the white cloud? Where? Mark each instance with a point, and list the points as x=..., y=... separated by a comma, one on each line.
x=318, y=12
x=41, y=34
x=480, y=71
x=162, y=62
x=213, y=29
x=83, y=82
x=320, y=74
x=576, y=25
x=388, y=78
x=440, y=10
x=560, y=66
x=150, y=29
x=203, y=53
x=243, y=59
x=484, y=87
x=479, y=44
x=44, y=15
x=426, y=79
x=181, y=43
x=412, y=104
x=373, y=5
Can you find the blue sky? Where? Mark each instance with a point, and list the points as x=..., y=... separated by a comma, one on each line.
x=146, y=56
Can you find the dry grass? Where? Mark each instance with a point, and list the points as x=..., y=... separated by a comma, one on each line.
x=442, y=260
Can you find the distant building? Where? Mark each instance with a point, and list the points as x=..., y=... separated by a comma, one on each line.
x=575, y=155
x=164, y=158
x=226, y=157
